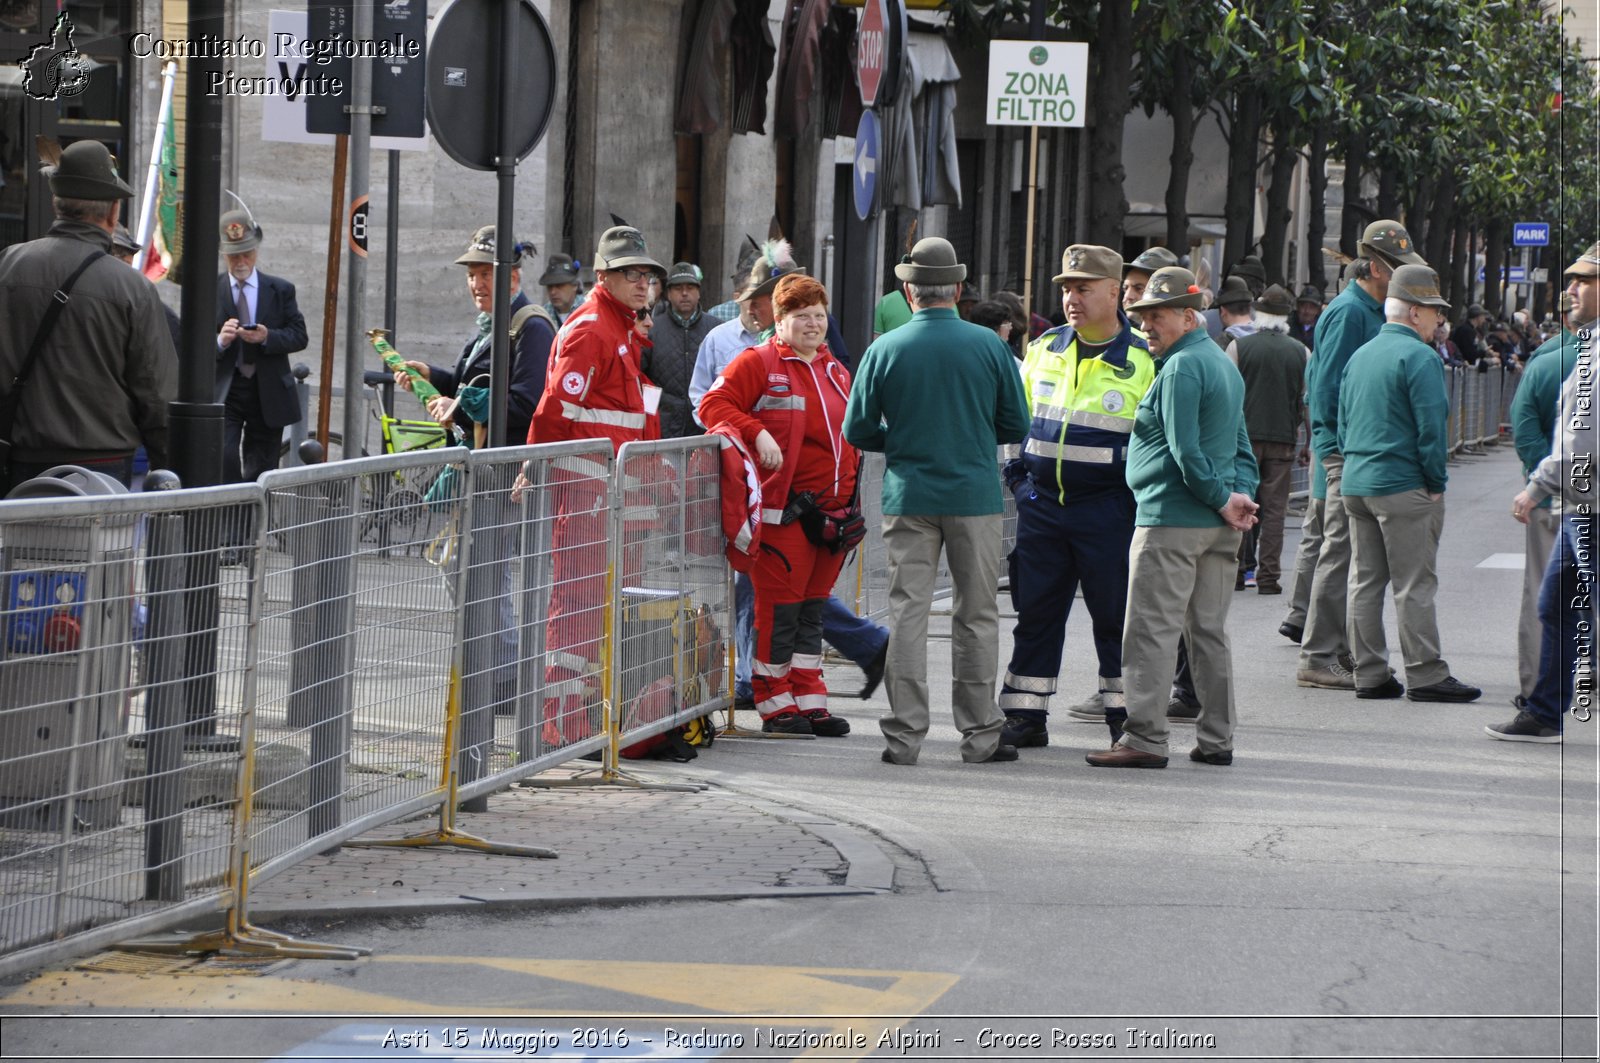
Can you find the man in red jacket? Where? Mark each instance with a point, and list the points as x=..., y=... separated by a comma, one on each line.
x=593, y=390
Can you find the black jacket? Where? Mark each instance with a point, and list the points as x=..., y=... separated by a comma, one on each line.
x=530, y=354
x=669, y=363
x=286, y=334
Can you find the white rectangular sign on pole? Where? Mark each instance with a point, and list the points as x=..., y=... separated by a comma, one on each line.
x=1038, y=83
x=288, y=74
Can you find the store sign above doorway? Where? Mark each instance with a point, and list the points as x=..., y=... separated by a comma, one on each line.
x=1043, y=83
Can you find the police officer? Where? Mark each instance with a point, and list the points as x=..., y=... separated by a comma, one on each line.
x=1074, y=510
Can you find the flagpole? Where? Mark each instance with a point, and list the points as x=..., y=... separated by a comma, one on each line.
x=169, y=77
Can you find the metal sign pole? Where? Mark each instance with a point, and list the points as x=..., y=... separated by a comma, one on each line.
x=504, y=239
x=360, y=179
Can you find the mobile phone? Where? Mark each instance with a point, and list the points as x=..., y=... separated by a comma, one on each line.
x=244, y=327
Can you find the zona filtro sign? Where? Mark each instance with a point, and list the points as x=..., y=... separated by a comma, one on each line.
x=1038, y=83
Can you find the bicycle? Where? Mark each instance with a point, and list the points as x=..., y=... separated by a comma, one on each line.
x=397, y=500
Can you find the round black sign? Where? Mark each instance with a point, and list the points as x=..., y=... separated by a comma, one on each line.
x=466, y=89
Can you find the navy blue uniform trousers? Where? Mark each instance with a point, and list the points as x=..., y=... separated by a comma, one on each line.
x=1060, y=548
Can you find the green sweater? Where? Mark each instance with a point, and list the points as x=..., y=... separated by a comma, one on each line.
x=1353, y=318
x=1393, y=410
x=1534, y=409
x=1190, y=450
x=937, y=396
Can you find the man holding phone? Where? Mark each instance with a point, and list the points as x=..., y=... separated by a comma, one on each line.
x=258, y=326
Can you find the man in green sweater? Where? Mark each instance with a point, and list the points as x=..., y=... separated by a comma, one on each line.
x=1533, y=422
x=1353, y=318
x=1193, y=474
x=1393, y=410
x=937, y=396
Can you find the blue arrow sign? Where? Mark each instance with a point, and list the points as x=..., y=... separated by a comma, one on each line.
x=1510, y=274
x=865, y=173
x=1530, y=234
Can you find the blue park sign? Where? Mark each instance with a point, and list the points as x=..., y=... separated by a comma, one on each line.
x=1530, y=234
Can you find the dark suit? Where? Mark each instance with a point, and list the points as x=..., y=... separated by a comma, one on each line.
x=258, y=408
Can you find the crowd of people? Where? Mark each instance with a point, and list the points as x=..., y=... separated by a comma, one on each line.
x=1158, y=425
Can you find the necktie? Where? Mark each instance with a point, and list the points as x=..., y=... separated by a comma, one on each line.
x=246, y=363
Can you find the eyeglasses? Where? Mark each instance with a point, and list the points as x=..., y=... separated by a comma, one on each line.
x=634, y=276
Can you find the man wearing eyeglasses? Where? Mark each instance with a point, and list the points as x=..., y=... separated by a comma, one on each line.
x=594, y=390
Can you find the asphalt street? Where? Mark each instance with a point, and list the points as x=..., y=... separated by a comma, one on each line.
x=1367, y=880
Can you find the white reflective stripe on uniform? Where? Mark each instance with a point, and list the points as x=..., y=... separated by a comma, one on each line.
x=775, y=704
x=595, y=470
x=741, y=542
x=1010, y=700
x=1031, y=683
x=1113, y=699
x=614, y=418
x=1088, y=455
x=572, y=662
x=781, y=402
x=1109, y=683
x=570, y=688
x=1051, y=413
x=772, y=516
x=806, y=660
x=1101, y=420
x=811, y=702
x=767, y=668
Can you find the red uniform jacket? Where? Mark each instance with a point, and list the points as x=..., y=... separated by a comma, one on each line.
x=802, y=405
x=594, y=388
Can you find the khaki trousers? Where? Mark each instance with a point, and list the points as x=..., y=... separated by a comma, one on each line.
x=1395, y=541
x=1540, y=539
x=1180, y=582
x=972, y=546
x=1326, y=616
x=1305, y=562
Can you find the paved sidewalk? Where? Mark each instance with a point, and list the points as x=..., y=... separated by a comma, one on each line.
x=615, y=845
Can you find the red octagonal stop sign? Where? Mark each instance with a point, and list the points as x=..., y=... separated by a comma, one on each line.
x=871, y=48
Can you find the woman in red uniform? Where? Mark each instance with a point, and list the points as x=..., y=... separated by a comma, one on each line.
x=786, y=399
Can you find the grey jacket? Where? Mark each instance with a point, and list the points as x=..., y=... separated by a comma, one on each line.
x=1569, y=472
x=669, y=363
x=102, y=385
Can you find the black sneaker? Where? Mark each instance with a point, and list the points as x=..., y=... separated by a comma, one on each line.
x=1389, y=688
x=826, y=725
x=1221, y=759
x=1182, y=709
x=787, y=723
x=1448, y=689
x=1293, y=632
x=1524, y=728
x=1024, y=731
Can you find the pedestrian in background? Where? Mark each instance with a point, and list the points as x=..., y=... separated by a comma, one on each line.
x=936, y=397
x=1273, y=366
x=106, y=369
x=1307, y=309
x=258, y=326
x=1566, y=612
x=563, y=289
x=679, y=328
x=1192, y=475
x=1353, y=318
x=1393, y=410
x=1136, y=274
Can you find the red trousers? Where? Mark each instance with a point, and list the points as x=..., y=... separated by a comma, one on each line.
x=791, y=579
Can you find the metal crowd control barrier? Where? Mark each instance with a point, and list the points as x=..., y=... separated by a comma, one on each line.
x=1455, y=384
x=124, y=696
x=672, y=606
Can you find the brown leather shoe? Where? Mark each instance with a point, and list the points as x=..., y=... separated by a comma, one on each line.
x=1125, y=757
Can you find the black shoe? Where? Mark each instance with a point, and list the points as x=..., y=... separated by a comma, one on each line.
x=1221, y=759
x=1524, y=728
x=1389, y=688
x=1293, y=632
x=1448, y=689
x=1180, y=708
x=1024, y=731
x=826, y=725
x=1002, y=753
x=888, y=758
x=873, y=670
x=787, y=723
x=744, y=703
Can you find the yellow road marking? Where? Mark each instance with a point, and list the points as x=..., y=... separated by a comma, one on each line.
x=701, y=990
